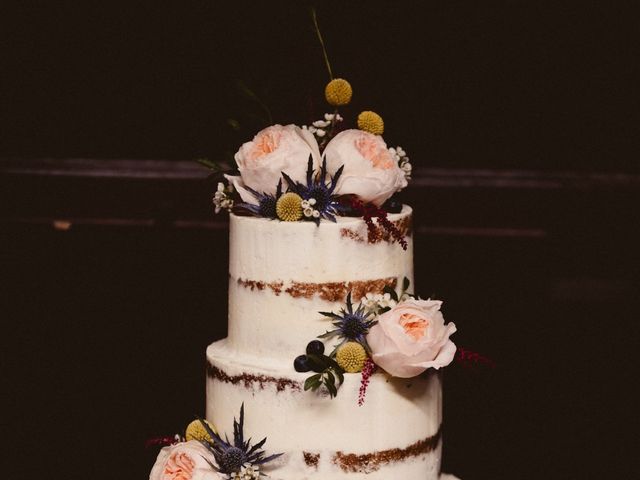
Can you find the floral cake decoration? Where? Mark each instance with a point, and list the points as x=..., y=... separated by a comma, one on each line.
x=202, y=454
x=320, y=171
x=400, y=333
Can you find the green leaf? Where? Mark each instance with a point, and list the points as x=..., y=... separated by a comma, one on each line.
x=331, y=363
x=405, y=284
x=330, y=378
x=340, y=375
x=330, y=334
x=208, y=163
x=330, y=314
x=333, y=391
x=233, y=123
x=391, y=292
x=312, y=382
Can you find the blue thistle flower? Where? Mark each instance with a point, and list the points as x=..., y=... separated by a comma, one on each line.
x=319, y=187
x=266, y=207
x=350, y=325
x=230, y=457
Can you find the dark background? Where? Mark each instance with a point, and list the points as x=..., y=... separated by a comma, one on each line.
x=521, y=119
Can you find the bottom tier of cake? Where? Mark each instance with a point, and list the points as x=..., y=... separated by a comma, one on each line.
x=396, y=433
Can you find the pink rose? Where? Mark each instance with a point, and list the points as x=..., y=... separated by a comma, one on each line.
x=370, y=171
x=184, y=461
x=412, y=337
x=274, y=150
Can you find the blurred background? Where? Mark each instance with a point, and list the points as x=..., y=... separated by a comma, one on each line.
x=521, y=120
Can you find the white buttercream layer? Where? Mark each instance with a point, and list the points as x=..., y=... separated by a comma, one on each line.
x=283, y=273
x=397, y=413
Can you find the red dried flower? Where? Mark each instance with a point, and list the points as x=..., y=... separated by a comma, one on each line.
x=368, y=370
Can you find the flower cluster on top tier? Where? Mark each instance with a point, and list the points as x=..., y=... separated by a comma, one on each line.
x=319, y=171
x=399, y=333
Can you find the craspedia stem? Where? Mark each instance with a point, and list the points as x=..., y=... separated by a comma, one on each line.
x=324, y=50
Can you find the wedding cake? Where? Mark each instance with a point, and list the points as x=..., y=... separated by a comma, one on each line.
x=331, y=367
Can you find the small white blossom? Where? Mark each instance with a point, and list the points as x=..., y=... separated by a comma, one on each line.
x=400, y=156
x=320, y=133
x=221, y=199
x=312, y=201
x=330, y=116
x=305, y=204
x=386, y=301
x=249, y=472
x=316, y=214
x=308, y=212
x=376, y=302
x=321, y=123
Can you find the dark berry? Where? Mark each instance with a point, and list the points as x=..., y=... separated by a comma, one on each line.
x=315, y=347
x=393, y=206
x=301, y=364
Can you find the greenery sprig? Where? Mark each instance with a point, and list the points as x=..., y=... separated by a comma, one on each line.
x=328, y=373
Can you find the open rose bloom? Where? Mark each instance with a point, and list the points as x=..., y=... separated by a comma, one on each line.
x=184, y=461
x=274, y=150
x=412, y=337
x=370, y=170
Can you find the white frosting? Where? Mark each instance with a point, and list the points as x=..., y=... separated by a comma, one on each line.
x=266, y=320
x=396, y=414
x=269, y=326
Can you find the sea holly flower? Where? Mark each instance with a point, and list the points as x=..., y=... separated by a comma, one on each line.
x=231, y=458
x=350, y=324
x=265, y=205
x=317, y=194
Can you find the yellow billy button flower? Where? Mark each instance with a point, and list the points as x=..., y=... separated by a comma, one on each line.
x=351, y=356
x=371, y=122
x=195, y=431
x=338, y=92
x=289, y=207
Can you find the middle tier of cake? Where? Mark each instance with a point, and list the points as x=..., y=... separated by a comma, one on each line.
x=395, y=433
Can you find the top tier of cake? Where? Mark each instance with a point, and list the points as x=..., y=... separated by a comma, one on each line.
x=283, y=273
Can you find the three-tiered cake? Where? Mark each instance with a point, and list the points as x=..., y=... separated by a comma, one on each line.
x=280, y=275
x=330, y=355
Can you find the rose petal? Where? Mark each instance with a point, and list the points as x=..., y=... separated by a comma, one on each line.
x=245, y=194
x=444, y=357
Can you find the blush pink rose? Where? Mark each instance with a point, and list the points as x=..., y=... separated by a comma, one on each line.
x=184, y=461
x=274, y=150
x=370, y=171
x=412, y=337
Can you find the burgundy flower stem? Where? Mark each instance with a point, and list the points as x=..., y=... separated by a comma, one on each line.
x=368, y=212
x=469, y=358
x=368, y=370
x=159, y=441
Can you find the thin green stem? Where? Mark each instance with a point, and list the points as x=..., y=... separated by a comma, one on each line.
x=324, y=50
